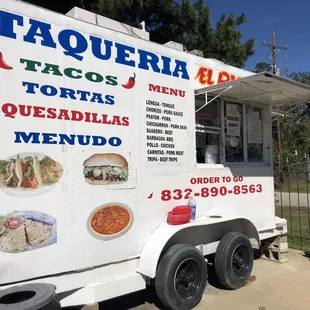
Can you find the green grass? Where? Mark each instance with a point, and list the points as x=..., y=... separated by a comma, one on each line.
x=298, y=223
x=294, y=187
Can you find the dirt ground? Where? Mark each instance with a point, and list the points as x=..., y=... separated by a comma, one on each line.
x=272, y=286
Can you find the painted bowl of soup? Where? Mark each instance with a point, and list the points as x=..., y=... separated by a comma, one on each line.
x=110, y=221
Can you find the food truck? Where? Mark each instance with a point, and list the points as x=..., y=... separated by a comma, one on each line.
x=105, y=135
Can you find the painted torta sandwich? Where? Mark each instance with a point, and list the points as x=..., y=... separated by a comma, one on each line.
x=107, y=168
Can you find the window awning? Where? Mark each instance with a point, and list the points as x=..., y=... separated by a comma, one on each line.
x=263, y=88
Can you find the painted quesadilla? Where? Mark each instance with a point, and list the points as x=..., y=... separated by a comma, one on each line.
x=26, y=230
x=37, y=232
x=14, y=240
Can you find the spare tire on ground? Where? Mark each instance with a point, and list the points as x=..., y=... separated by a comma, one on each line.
x=37, y=296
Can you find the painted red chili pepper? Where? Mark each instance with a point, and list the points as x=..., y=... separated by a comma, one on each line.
x=3, y=65
x=131, y=82
x=150, y=197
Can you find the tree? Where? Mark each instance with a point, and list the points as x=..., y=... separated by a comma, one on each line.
x=226, y=45
x=187, y=23
x=302, y=77
x=262, y=67
x=295, y=131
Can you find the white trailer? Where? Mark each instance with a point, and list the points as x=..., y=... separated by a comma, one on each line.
x=104, y=133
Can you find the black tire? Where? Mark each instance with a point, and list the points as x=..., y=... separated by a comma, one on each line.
x=27, y=297
x=181, y=277
x=234, y=260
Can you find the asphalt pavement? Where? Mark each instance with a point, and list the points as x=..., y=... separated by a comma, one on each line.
x=292, y=199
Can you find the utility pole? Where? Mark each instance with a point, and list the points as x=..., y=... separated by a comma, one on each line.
x=275, y=49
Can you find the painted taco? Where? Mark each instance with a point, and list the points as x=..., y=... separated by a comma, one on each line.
x=9, y=175
x=107, y=168
x=51, y=171
x=29, y=170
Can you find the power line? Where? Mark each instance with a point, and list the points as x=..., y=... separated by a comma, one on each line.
x=275, y=49
x=285, y=64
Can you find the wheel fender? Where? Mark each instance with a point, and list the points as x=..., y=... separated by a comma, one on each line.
x=155, y=244
x=152, y=249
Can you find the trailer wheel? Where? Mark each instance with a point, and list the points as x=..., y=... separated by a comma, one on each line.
x=234, y=260
x=181, y=277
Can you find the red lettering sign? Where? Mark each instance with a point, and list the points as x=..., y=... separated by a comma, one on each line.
x=205, y=76
x=166, y=90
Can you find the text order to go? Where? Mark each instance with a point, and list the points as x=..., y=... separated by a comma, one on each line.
x=206, y=192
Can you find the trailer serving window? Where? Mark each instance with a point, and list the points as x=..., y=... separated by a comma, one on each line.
x=208, y=130
x=254, y=120
x=228, y=132
x=234, y=144
x=244, y=106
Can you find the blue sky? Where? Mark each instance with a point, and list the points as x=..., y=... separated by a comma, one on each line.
x=289, y=19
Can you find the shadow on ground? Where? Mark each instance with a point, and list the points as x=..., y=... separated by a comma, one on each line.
x=148, y=296
x=130, y=301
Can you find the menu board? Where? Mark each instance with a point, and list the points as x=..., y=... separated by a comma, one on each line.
x=233, y=119
x=233, y=128
x=165, y=131
x=232, y=111
x=255, y=131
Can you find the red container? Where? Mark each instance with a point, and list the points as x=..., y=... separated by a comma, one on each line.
x=176, y=219
x=182, y=210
